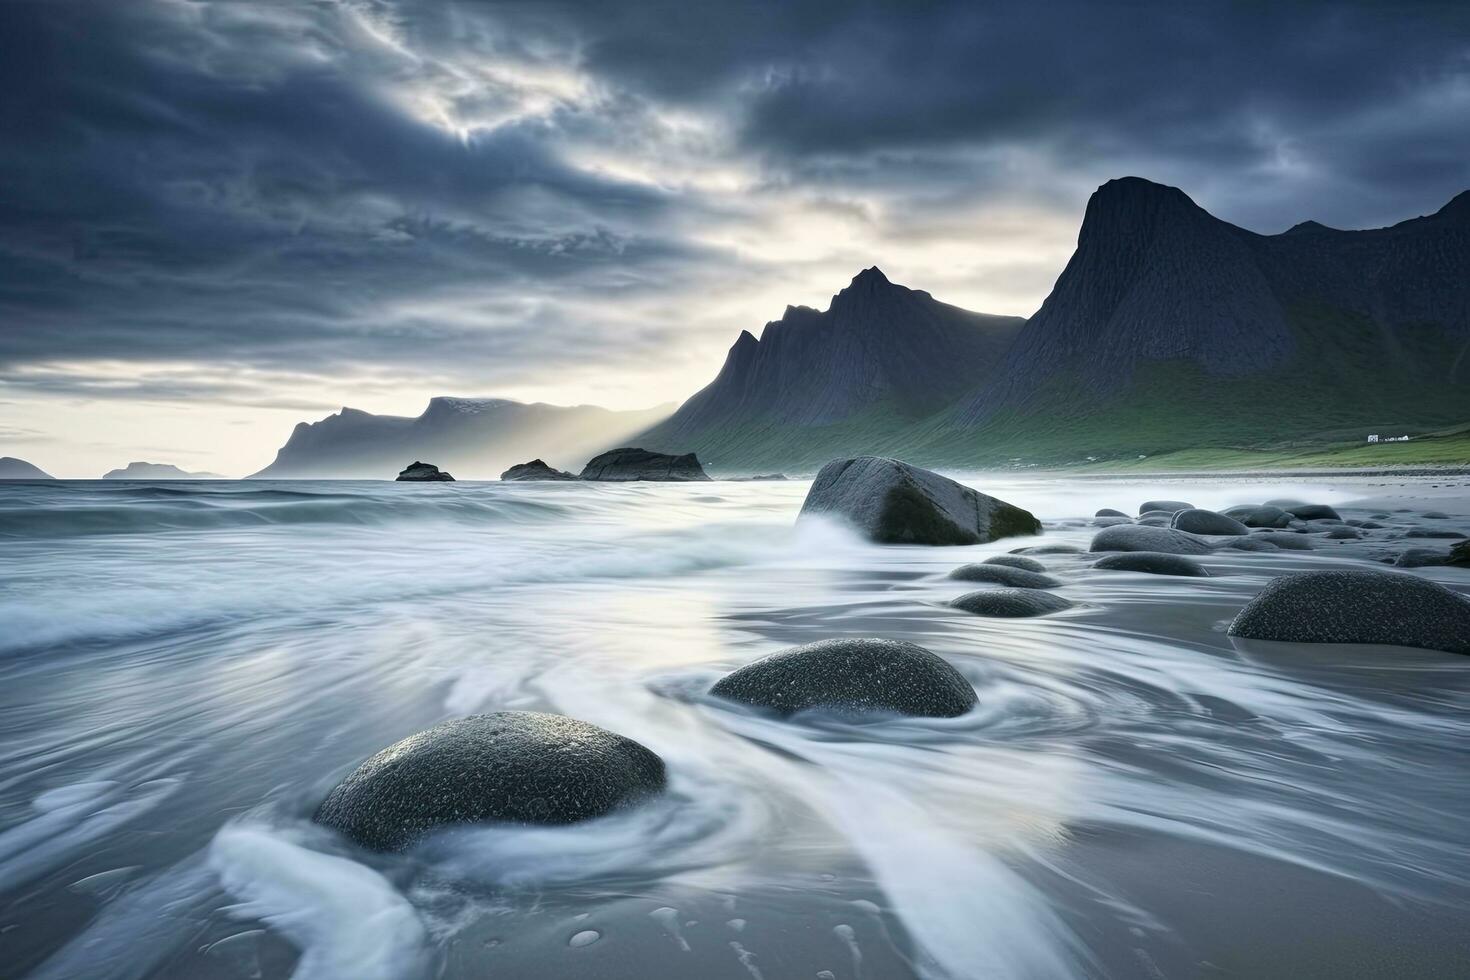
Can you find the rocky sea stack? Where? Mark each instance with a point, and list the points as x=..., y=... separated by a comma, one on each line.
x=632, y=465
x=511, y=766
x=536, y=469
x=417, y=472
x=1358, y=606
x=891, y=502
x=851, y=677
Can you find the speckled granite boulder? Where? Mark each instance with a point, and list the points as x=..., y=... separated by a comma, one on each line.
x=1198, y=521
x=1152, y=562
x=1168, y=506
x=510, y=766
x=851, y=677
x=1016, y=561
x=1262, y=516
x=1138, y=538
x=1011, y=603
x=1358, y=606
x=892, y=502
x=1004, y=575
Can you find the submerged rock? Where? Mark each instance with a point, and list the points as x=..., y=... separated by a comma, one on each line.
x=1312, y=512
x=1262, y=516
x=1460, y=555
x=853, y=677
x=631, y=465
x=1168, y=506
x=1011, y=603
x=509, y=766
x=1285, y=540
x=1140, y=538
x=1004, y=575
x=1016, y=561
x=1152, y=562
x=1250, y=543
x=1418, y=558
x=891, y=502
x=1343, y=534
x=417, y=472
x=536, y=469
x=1207, y=522
x=1109, y=512
x=1428, y=532
x=1048, y=549
x=1358, y=606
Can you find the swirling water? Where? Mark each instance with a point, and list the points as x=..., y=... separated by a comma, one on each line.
x=186, y=669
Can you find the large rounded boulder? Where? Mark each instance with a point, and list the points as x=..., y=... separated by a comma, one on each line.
x=1139, y=538
x=520, y=767
x=1313, y=512
x=1358, y=606
x=850, y=677
x=1004, y=575
x=1011, y=603
x=1152, y=562
x=891, y=502
x=1198, y=521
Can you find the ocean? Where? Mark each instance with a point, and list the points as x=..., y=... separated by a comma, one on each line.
x=187, y=668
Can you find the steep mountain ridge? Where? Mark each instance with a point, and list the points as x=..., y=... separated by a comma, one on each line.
x=1157, y=280
x=879, y=348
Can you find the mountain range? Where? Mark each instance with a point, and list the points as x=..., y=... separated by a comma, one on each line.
x=1169, y=331
x=474, y=438
x=156, y=471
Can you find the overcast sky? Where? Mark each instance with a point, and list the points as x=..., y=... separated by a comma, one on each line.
x=219, y=219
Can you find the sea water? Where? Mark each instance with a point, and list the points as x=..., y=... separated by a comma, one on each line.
x=187, y=668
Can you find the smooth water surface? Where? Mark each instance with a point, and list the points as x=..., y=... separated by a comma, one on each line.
x=187, y=668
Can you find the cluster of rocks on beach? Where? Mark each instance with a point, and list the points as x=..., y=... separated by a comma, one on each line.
x=528, y=767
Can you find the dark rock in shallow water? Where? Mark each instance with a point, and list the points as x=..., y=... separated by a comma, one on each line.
x=1168, y=506
x=1251, y=542
x=1425, y=532
x=1004, y=575
x=1365, y=525
x=1285, y=540
x=536, y=469
x=510, y=766
x=1435, y=515
x=1016, y=561
x=1109, y=512
x=1419, y=558
x=1138, y=538
x=417, y=472
x=1460, y=555
x=1110, y=521
x=1048, y=549
x=1262, y=516
x=1312, y=512
x=1011, y=603
x=1207, y=522
x=1343, y=534
x=892, y=502
x=1358, y=606
x=851, y=677
x=1152, y=562
x=631, y=465
x=760, y=478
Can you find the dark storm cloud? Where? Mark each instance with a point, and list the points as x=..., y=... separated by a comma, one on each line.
x=283, y=186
